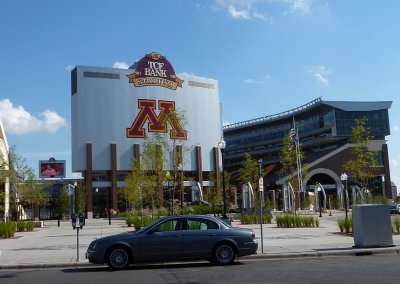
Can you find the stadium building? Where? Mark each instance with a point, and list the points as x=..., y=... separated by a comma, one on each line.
x=115, y=110
x=324, y=129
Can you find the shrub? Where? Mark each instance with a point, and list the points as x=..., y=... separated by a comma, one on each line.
x=137, y=222
x=255, y=219
x=295, y=221
x=7, y=229
x=21, y=226
x=348, y=226
x=340, y=222
x=129, y=221
x=29, y=225
x=396, y=225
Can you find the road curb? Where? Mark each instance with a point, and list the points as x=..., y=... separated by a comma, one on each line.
x=331, y=253
x=316, y=254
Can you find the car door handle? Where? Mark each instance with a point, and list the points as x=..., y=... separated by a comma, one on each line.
x=212, y=235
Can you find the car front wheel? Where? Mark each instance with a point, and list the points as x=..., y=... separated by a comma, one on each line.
x=118, y=258
x=224, y=254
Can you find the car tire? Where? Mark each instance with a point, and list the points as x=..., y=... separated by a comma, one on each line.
x=224, y=253
x=118, y=258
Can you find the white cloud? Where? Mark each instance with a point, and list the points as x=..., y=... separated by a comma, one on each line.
x=69, y=67
x=236, y=14
x=241, y=9
x=396, y=128
x=302, y=6
x=320, y=73
x=17, y=120
x=252, y=81
x=394, y=162
x=321, y=78
x=121, y=65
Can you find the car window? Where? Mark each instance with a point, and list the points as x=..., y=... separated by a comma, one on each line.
x=201, y=224
x=170, y=225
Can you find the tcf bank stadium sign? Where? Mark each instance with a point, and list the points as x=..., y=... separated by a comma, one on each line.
x=155, y=70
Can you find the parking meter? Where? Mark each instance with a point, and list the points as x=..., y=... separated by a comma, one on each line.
x=73, y=220
x=81, y=220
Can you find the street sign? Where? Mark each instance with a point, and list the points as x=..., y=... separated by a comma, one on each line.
x=261, y=184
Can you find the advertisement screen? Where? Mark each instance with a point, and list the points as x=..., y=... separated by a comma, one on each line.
x=52, y=169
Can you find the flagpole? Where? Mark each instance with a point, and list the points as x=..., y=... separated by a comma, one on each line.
x=297, y=155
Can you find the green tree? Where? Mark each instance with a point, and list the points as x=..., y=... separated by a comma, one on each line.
x=288, y=158
x=63, y=205
x=135, y=181
x=249, y=171
x=80, y=198
x=361, y=167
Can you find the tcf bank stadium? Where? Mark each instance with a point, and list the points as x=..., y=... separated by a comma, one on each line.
x=114, y=110
x=324, y=129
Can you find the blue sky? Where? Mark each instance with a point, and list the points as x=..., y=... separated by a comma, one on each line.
x=268, y=55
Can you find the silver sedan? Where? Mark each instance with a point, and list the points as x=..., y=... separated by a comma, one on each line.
x=185, y=237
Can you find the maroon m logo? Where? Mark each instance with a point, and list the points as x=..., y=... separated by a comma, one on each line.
x=156, y=123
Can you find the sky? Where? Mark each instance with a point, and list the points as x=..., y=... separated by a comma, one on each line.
x=269, y=56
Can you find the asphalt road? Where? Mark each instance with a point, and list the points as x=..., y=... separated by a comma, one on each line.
x=358, y=269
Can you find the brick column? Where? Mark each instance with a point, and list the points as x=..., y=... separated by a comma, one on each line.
x=88, y=180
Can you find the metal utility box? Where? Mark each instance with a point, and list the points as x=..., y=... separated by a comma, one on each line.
x=372, y=226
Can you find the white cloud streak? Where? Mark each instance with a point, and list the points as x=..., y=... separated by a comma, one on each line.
x=302, y=6
x=252, y=81
x=17, y=120
x=121, y=65
x=320, y=73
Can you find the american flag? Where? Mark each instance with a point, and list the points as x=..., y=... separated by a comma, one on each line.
x=292, y=138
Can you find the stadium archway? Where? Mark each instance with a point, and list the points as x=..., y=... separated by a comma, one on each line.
x=329, y=180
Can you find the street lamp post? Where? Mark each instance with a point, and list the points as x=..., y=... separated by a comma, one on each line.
x=171, y=209
x=221, y=146
x=320, y=200
x=343, y=178
x=180, y=168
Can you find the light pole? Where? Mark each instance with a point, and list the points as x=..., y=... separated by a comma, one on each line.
x=171, y=209
x=73, y=205
x=180, y=168
x=320, y=200
x=221, y=146
x=343, y=178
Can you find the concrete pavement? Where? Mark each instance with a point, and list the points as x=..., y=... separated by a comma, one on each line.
x=53, y=246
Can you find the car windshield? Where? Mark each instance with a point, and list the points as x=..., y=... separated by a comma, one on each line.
x=225, y=224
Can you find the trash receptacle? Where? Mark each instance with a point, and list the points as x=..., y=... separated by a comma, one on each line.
x=372, y=226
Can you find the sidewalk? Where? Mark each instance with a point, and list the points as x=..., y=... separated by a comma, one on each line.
x=53, y=246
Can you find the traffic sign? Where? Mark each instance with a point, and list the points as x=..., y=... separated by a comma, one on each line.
x=261, y=184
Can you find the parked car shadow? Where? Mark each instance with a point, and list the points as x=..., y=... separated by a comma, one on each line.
x=151, y=266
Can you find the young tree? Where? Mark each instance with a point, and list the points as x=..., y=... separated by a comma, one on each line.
x=288, y=157
x=249, y=171
x=134, y=183
x=63, y=205
x=80, y=199
x=361, y=167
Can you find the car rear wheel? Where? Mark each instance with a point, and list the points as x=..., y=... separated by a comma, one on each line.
x=224, y=254
x=118, y=258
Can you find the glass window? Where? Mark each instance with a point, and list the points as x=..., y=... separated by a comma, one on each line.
x=170, y=225
x=201, y=224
